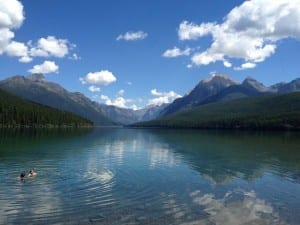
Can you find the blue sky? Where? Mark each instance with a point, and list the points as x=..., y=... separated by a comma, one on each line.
x=134, y=53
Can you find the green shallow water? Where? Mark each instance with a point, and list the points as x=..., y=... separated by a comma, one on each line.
x=135, y=176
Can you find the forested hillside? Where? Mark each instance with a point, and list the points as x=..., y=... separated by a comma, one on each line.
x=37, y=89
x=17, y=112
x=264, y=112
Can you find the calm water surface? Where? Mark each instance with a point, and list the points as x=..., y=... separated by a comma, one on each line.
x=127, y=176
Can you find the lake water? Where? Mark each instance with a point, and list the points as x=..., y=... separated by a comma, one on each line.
x=135, y=176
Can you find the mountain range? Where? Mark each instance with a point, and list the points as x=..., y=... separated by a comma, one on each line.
x=220, y=102
x=37, y=89
x=214, y=89
x=222, y=88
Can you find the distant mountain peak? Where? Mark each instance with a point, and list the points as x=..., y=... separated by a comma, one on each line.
x=205, y=88
x=217, y=77
x=249, y=78
x=292, y=86
x=37, y=77
x=253, y=83
x=250, y=81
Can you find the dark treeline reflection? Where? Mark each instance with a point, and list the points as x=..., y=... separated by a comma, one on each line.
x=41, y=132
x=55, y=142
x=222, y=155
x=18, y=141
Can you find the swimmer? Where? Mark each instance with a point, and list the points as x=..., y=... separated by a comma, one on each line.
x=22, y=175
x=32, y=173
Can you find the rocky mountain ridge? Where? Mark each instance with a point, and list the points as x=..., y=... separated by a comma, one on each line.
x=220, y=87
x=37, y=89
x=215, y=88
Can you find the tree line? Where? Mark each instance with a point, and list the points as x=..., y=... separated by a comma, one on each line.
x=17, y=112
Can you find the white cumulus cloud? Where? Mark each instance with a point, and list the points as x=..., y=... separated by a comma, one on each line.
x=106, y=99
x=205, y=58
x=11, y=17
x=45, y=67
x=103, y=77
x=5, y=37
x=18, y=49
x=227, y=64
x=11, y=14
x=132, y=36
x=94, y=88
x=191, y=31
x=250, y=32
x=245, y=66
x=175, y=52
x=119, y=101
x=162, y=97
x=51, y=46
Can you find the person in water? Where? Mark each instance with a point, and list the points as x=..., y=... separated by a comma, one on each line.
x=22, y=175
x=31, y=173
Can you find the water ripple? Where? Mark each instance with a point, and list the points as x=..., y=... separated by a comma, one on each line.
x=137, y=178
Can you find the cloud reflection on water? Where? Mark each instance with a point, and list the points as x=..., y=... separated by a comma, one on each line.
x=236, y=207
x=105, y=176
x=162, y=155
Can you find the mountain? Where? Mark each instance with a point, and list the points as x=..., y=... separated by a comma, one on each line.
x=252, y=84
x=129, y=116
x=277, y=86
x=17, y=112
x=274, y=111
x=292, y=86
x=248, y=88
x=219, y=88
x=119, y=115
x=206, y=88
x=37, y=89
x=151, y=112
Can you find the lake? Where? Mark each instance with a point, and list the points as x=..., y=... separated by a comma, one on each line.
x=136, y=176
